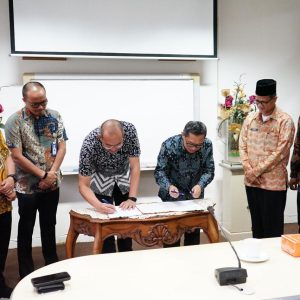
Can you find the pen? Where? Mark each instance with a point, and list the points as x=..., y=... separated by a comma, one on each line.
x=175, y=192
x=105, y=201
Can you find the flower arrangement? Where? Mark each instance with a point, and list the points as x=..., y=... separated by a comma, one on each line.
x=1, y=111
x=238, y=106
x=234, y=111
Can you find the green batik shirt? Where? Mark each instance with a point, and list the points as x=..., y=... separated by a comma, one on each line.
x=35, y=137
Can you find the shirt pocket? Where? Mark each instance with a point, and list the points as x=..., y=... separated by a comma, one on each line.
x=271, y=141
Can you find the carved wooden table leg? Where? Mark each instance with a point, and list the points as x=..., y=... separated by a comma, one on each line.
x=71, y=240
x=212, y=229
x=98, y=242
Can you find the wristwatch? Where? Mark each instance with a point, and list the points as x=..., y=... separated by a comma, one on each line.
x=13, y=176
x=132, y=198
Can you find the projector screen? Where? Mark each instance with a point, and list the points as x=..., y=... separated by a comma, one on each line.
x=115, y=28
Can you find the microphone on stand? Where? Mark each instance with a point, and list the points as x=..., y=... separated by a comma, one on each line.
x=229, y=275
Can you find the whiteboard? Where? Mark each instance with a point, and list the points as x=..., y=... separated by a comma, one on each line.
x=159, y=107
x=115, y=28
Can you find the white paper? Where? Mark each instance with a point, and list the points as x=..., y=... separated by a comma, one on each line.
x=147, y=210
x=92, y=212
x=124, y=213
x=175, y=206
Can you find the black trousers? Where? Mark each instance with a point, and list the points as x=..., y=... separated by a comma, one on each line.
x=5, y=229
x=190, y=238
x=267, y=212
x=46, y=204
x=109, y=245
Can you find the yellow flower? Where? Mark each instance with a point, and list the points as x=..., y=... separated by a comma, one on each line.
x=235, y=127
x=241, y=94
x=225, y=92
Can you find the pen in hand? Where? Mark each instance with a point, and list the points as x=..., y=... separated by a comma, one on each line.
x=105, y=201
x=110, y=209
x=179, y=193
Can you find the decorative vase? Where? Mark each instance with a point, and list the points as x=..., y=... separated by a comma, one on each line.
x=233, y=130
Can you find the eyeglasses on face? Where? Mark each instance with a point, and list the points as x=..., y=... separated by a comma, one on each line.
x=38, y=104
x=263, y=102
x=109, y=147
x=192, y=145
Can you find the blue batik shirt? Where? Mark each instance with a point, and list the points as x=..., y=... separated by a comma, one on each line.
x=176, y=166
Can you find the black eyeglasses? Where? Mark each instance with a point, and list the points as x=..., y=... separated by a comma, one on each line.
x=38, y=104
x=192, y=145
x=263, y=102
x=109, y=147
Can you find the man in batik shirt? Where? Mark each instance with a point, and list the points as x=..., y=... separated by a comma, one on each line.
x=109, y=172
x=265, y=142
x=36, y=138
x=295, y=170
x=185, y=166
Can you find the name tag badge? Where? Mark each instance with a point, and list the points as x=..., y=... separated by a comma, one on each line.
x=53, y=149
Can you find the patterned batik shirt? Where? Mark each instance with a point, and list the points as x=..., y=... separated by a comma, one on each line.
x=107, y=168
x=35, y=137
x=176, y=166
x=295, y=161
x=265, y=149
x=5, y=205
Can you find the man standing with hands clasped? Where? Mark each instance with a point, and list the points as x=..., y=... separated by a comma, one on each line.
x=36, y=138
x=109, y=172
x=185, y=166
x=265, y=142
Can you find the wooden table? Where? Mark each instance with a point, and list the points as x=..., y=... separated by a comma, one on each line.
x=147, y=232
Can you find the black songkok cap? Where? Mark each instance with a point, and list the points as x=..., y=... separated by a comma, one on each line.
x=265, y=87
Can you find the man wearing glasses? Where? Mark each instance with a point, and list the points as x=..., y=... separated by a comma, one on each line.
x=185, y=166
x=265, y=142
x=36, y=138
x=109, y=172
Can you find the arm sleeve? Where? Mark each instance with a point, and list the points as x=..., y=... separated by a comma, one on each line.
x=208, y=173
x=134, y=149
x=162, y=169
x=12, y=133
x=86, y=167
x=61, y=132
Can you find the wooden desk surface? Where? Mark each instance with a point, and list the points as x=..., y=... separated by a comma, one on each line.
x=170, y=273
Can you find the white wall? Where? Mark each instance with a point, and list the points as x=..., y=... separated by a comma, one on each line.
x=11, y=72
x=261, y=39
x=256, y=37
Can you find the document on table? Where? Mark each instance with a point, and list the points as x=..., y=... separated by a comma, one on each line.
x=175, y=206
x=149, y=208
x=119, y=213
x=92, y=212
x=125, y=213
